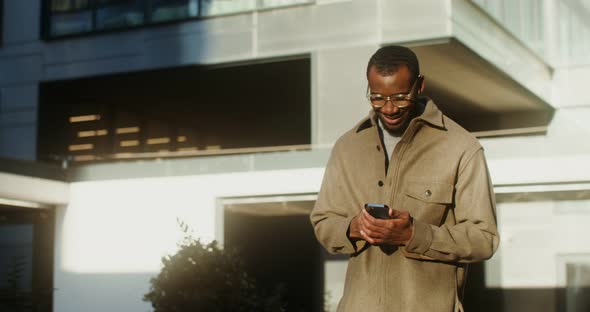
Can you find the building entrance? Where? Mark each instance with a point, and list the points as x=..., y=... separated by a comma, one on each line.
x=26, y=259
x=279, y=249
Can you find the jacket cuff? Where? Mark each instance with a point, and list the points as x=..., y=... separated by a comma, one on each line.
x=421, y=238
x=347, y=245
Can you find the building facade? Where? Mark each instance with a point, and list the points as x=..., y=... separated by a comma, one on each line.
x=118, y=118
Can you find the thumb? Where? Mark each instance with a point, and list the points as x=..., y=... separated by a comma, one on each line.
x=394, y=213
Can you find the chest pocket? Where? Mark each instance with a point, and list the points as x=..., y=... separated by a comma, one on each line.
x=428, y=201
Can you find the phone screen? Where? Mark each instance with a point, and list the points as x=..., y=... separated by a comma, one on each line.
x=379, y=211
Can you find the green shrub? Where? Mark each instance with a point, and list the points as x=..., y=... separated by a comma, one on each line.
x=204, y=277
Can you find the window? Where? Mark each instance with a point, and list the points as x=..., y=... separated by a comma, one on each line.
x=216, y=7
x=168, y=112
x=70, y=17
x=168, y=10
x=119, y=13
x=74, y=17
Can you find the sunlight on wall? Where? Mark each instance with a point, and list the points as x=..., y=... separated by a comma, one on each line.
x=126, y=226
x=538, y=239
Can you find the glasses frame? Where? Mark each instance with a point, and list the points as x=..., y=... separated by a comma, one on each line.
x=409, y=97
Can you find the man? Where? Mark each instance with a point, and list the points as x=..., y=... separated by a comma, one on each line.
x=431, y=173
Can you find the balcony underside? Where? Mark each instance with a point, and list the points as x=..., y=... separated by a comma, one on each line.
x=477, y=94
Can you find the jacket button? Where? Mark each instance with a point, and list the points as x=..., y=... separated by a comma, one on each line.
x=428, y=193
x=380, y=183
x=378, y=147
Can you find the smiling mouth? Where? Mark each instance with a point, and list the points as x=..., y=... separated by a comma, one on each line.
x=393, y=119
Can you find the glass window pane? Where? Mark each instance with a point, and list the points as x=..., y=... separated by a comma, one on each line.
x=71, y=23
x=60, y=5
x=280, y=3
x=218, y=7
x=119, y=13
x=68, y=5
x=166, y=10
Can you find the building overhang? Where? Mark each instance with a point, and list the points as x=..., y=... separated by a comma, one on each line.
x=476, y=93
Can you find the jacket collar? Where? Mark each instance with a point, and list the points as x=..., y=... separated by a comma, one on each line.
x=431, y=115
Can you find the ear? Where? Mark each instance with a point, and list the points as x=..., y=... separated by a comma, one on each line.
x=422, y=85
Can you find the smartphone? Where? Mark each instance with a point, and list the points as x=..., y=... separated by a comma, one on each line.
x=378, y=211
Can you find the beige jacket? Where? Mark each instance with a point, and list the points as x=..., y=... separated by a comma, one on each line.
x=438, y=173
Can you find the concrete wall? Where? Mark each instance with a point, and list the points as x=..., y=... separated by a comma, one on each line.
x=112, y=234
x=20, y=70
x=347, y=30
x=339, y=36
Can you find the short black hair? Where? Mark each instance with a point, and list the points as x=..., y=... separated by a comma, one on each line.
x=388, y=59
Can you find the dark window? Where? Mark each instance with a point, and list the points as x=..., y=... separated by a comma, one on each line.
x=119, y=13
x=69, y=17
x=152, y=113
x=168, y=10
x=63, y=18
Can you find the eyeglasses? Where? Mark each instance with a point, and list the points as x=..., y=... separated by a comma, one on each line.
x=400, y=100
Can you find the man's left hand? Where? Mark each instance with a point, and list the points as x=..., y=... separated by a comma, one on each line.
x=394, y=231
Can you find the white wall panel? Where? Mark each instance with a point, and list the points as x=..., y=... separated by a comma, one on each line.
x=21, y=21
x=560, y=155
x=569, y=86
x=93, y=67
x=199, y=48
x=18, y=97
x=18, y=141
x=408, y=20
x=341, y=86
x=535, y=235
x=90, y=48
x=20, y=69
x=25, y=188
x=306, y=28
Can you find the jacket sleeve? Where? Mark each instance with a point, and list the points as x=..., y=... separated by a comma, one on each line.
x=331, y=215
x=474, y=236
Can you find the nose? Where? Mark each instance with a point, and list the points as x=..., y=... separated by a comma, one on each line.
x=389, y=108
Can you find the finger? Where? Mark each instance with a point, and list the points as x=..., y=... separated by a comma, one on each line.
x=367, y=238
x=401, y=223
x=369, y=229
x=374, y=232
x=363, y=219
x=404, y=215
x=372, y=221
x=394, y=213
x=368, y=216
x=376, y=228
x=371, y=240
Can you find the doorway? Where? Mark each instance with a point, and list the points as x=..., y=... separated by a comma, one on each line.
x=26, y=259
x=279, y=249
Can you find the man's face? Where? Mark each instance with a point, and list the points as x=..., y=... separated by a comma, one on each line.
x=394, y=119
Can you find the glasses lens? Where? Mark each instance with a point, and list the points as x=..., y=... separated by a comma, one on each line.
x=401, y=103
x=377, y=100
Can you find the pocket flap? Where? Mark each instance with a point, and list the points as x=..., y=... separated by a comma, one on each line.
x=431, y=192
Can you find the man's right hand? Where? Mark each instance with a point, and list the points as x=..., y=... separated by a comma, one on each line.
x=354, y=230
x=395, y=231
